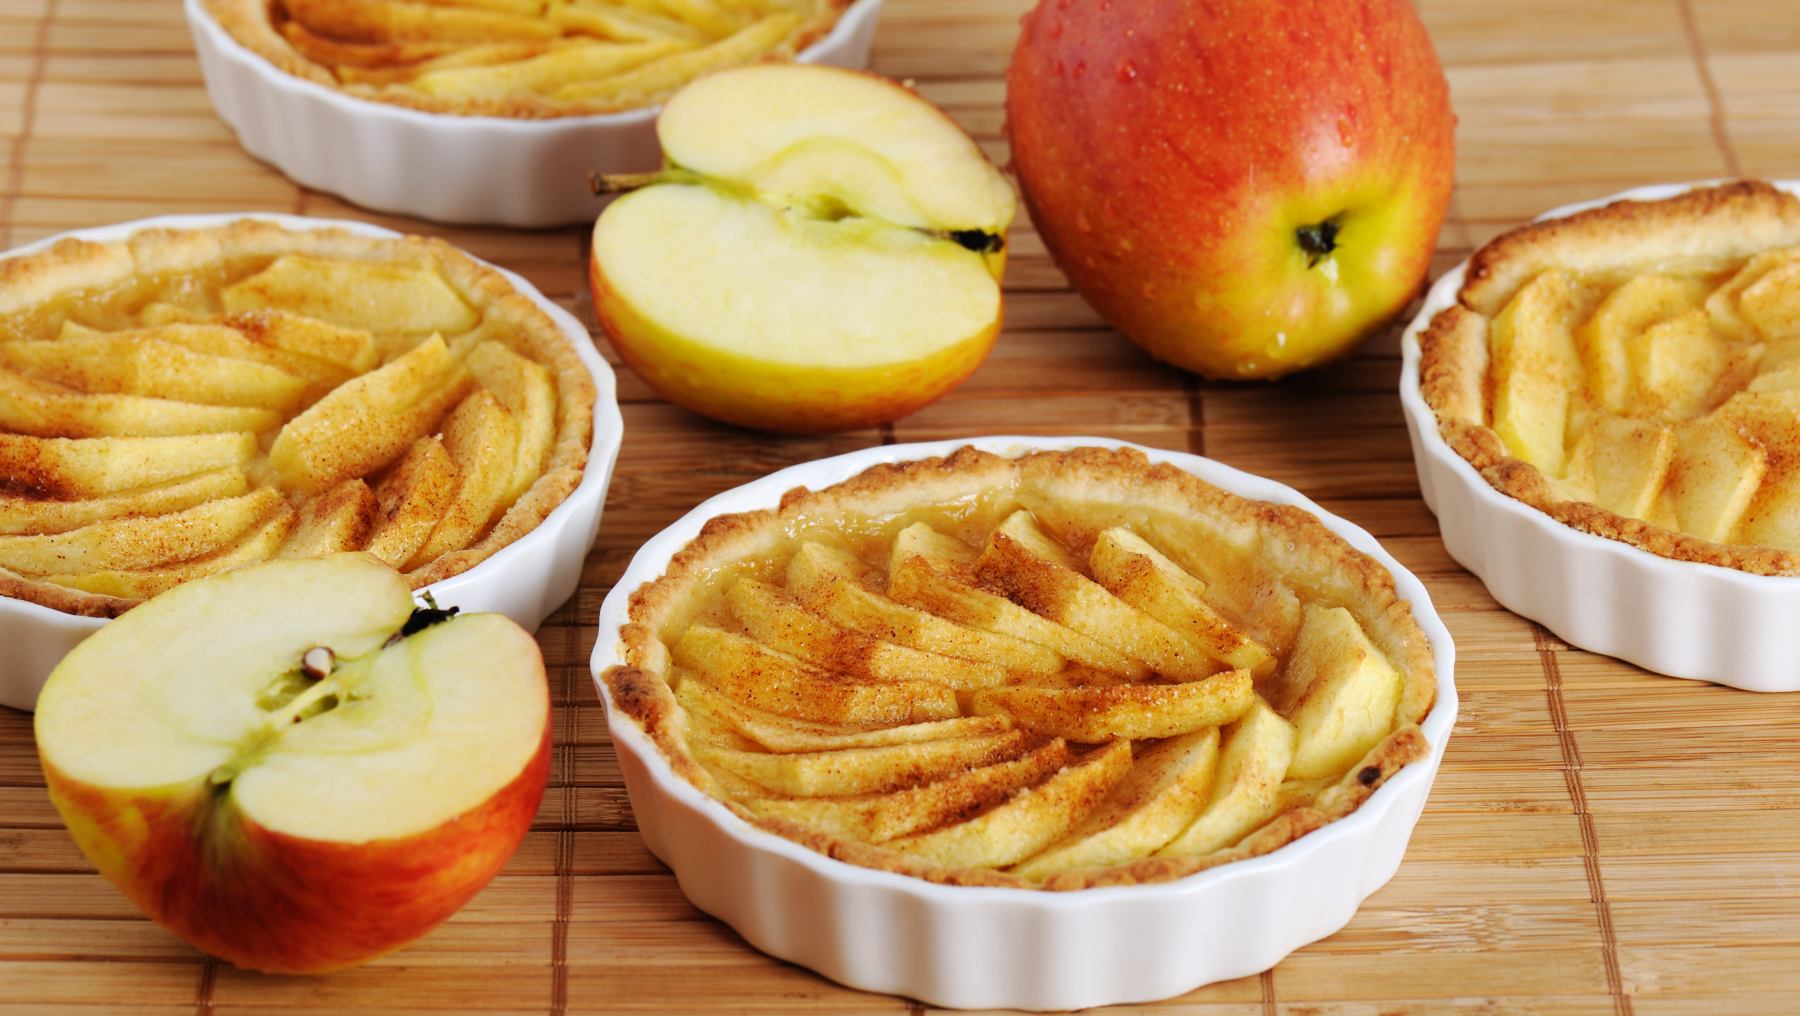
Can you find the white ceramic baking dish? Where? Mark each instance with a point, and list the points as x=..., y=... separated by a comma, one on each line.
x=1674, y=617
x=524, y=580
x=466, y=169
x=979, y=947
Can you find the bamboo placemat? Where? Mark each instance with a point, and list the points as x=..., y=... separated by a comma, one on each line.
x=1599, y=840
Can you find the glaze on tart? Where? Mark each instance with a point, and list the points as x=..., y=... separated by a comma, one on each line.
x=526, y=59
x=1062, y=670
x=1634, y=372
x=185, y=401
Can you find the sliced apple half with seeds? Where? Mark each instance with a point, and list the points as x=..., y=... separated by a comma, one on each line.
x=822, y=252
x=290, y=767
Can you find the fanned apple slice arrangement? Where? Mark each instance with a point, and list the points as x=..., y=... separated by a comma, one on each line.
x=822, y=252
x=1013, y=706
x=292, y=767
x=307, y=406
x=1672, y=398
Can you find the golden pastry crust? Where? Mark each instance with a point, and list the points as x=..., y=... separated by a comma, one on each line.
x=1073, y=494
x=248, y=21
x=36, y=285
x=1703, y=231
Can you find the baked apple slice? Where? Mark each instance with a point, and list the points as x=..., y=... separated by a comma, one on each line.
x=373, y=296
x=369, y=421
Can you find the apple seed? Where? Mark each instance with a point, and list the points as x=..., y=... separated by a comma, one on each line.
x=317, y=662
x=978, y=240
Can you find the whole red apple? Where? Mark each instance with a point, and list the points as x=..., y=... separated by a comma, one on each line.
x=1245, y=188
x=290, y=767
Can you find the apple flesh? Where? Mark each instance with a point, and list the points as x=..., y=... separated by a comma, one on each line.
x=1243, y=188
x=822, y=252
x=292, y=818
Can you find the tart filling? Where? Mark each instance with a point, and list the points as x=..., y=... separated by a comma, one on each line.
x=519, y=58
x=1634, y=371
x=1064, y=670
x=185, y=401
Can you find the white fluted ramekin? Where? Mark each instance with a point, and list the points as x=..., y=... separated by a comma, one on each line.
x=465, y=169
x=1678, y=618
x=525, y=580
x=982, y=947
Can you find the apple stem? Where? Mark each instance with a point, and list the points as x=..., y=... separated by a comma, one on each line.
x=619, y=183
x=1318, y=240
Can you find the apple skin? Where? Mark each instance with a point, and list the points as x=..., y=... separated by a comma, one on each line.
x=783, y=397
x=268, y=901
x=1169, y=152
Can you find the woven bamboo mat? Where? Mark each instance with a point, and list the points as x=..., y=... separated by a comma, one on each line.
x=1599, y=840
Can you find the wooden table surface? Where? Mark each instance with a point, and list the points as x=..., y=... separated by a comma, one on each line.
x=1599, y=839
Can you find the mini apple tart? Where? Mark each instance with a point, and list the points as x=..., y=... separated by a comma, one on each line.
x=1070, y=669
x=520, y=58
x=1634, y=372
x=185, y=401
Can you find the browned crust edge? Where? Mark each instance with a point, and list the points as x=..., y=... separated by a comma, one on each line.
x=1728, y=221
x=1735, y=220
x=248, y=22
x=1289, y=536
x=80, y=264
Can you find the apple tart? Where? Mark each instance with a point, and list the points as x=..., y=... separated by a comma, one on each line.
x=1069, y=669
x=1634, y=372
x=186, y=401
x=520, y=58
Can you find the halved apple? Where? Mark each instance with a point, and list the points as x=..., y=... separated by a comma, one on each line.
x=822, y=253
x=292, y=769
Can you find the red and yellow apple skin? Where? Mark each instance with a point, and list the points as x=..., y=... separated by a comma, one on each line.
x=265, y=900
x=1172, y=152
x=787, y=397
